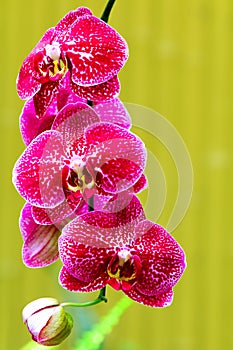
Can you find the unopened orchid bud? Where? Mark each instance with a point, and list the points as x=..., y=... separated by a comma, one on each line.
x=47, y=321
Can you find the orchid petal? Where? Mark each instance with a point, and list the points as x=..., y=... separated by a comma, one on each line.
x=103, y=230
x=70, y=18
x=119, y=157
x=45, y=96
x=27, y=85
x=141, y=184
x=40, y=242
x=96, y=51
x=65, y=94
x=113, y=111
x=26, y=221
x=83, y=262
x=71, y=283
x=101, y=92
x=71, y=122
x=161, y=300
x=37, y=173
x=30, y=125
x=88, y=242
x=163, y=260
x=57, y=215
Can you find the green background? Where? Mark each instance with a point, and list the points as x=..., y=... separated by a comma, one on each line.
x=180, y=65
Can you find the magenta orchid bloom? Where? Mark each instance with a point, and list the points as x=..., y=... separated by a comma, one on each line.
x=81, y=44
x=77, y=158
x=123, y=250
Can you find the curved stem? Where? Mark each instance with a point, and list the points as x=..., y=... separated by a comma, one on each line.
x=100, y=298
x=102, y=294
x=90, y=303
x=107, y=10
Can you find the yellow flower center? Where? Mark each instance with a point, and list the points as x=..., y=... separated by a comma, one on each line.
x=53, y=65
x=122, y=266
x=79, y=179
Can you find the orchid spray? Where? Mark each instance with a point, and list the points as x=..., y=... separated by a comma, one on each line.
x=80, y=175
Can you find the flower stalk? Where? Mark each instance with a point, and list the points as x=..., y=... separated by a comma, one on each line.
x=98, y=300
x=107, y=11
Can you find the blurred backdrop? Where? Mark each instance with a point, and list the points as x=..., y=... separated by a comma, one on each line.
x=180, y=65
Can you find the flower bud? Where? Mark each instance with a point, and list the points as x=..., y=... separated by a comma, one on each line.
x=47, y=321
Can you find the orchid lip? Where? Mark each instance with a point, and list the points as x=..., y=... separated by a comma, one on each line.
x=53, y=65
x=79, y=178
x=124, y=266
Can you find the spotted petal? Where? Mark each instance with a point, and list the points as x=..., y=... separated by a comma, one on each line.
x=65, y=94
x=117, y=216
x=113, y=111
x=71, y=122
x=70, y=18
x=101, y=92
x=37, y=173
x=26, y=222
x=141, y=184
x=88, y=242
x=71, y=283
x=96, y=51
x=45, y=96
x=83, y=261
x=27, y=84
x=40, y=242
x=119, y=157
x=161, y=300
x=163, y=260
x=30, y=125
x=72, y=206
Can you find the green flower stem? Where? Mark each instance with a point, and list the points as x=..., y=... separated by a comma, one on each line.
x=107, y=10
x=91, y=340
x=100, y=298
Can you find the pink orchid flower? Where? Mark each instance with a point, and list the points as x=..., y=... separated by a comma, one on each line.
x=81, y=44
x=77, y=158
x=126, y=251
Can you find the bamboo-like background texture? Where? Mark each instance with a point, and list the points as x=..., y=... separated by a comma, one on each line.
x=180, y=65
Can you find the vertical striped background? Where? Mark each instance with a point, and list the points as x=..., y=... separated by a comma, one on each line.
x=181, y=66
